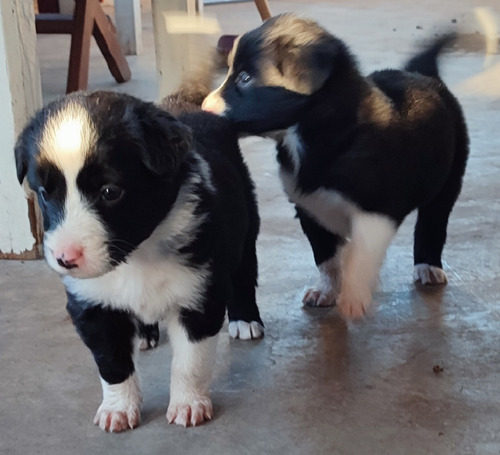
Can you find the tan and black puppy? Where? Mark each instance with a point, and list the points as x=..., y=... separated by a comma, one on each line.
x=357, y=154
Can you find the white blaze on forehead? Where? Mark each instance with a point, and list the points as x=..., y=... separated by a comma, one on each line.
x=68, y=138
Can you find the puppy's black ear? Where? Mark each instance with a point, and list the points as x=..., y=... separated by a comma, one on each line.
x=167, y=142
x=21, y=155
x=326, y=57
x=308, y=66
x=25, y=148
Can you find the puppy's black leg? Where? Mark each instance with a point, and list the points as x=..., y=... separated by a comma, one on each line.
x=109, y=334
x=432, y=219
x=430, y=236
x=149, y=335
x=326, y=248
x=243, y=314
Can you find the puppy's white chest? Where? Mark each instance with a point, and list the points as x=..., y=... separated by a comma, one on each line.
x=327, y=206
x=149, y=287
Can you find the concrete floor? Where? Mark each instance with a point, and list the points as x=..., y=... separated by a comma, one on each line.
x=313, y=385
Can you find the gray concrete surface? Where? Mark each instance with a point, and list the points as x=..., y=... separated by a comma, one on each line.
x=313, y=385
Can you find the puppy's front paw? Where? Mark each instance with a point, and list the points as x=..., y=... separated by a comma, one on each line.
x=319, y=297
x=246, y=330
x=429, y=274
x=190, y=414
x=117, y=420
x=354, y=303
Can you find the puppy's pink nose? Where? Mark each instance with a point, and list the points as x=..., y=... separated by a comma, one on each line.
x=69, y=257
x=214, y=103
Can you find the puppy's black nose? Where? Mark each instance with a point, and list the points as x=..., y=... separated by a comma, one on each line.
x=66, y=264
x=69, y=257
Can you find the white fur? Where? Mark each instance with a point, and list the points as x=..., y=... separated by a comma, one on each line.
x=121, y=405
x=327, y=289
x=81, y=228
x=68, y=138
x=362, y=258
x=293, y=144
x=328, y=207
x=214, y=102
x=429, y=274
x=149, y=284
x=192, y=365
x=245, y=330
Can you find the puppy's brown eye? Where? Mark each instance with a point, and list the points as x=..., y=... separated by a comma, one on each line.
x=111, y=193
x=243, y=78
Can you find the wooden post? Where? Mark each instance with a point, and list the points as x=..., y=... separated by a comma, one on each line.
x=183, y=40
x=129, y=25
x=20, y=97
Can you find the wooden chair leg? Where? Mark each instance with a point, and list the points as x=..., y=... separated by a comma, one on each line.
x=83, y=24
x=107, y=40
x=263, y=7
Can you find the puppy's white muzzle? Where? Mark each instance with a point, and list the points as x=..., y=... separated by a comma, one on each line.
x=214, y=103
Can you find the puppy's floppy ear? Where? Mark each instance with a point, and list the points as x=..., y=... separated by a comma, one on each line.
x=325, y=58
x=25, y=148
x=22, y=158
x=308, y=66
x=167, y=141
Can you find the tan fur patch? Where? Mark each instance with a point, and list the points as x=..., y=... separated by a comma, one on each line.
x=376, y=108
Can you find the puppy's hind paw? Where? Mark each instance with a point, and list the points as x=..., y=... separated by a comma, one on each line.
x=190, y=414
x=246, y=330
x=429, y=274
x=318, y=298
x=149, y=336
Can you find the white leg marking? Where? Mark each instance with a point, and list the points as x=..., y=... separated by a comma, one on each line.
x=192, y=364
x=370, y=237
x=245, y=330
x=121, y=405
x=429, y=274
x=327, y=289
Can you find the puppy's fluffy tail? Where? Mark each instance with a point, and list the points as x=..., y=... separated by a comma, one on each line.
x=193, y=89
x=425, y=62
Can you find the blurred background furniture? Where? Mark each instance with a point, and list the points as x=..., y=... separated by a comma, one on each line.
x=88, y=19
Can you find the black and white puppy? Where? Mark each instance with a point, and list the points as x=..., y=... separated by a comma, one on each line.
x=147, y=217
x=357, y=154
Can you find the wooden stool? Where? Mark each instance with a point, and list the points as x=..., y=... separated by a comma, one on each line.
x=88, y=20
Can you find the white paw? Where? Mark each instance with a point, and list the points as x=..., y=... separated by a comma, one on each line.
x=318, y=297
x=114, y=420
x=190, y=414
x=246, y=330
x=327, y=288
x=121, y=405
x=429, y=274
x=147, y=343
x=353, y=303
